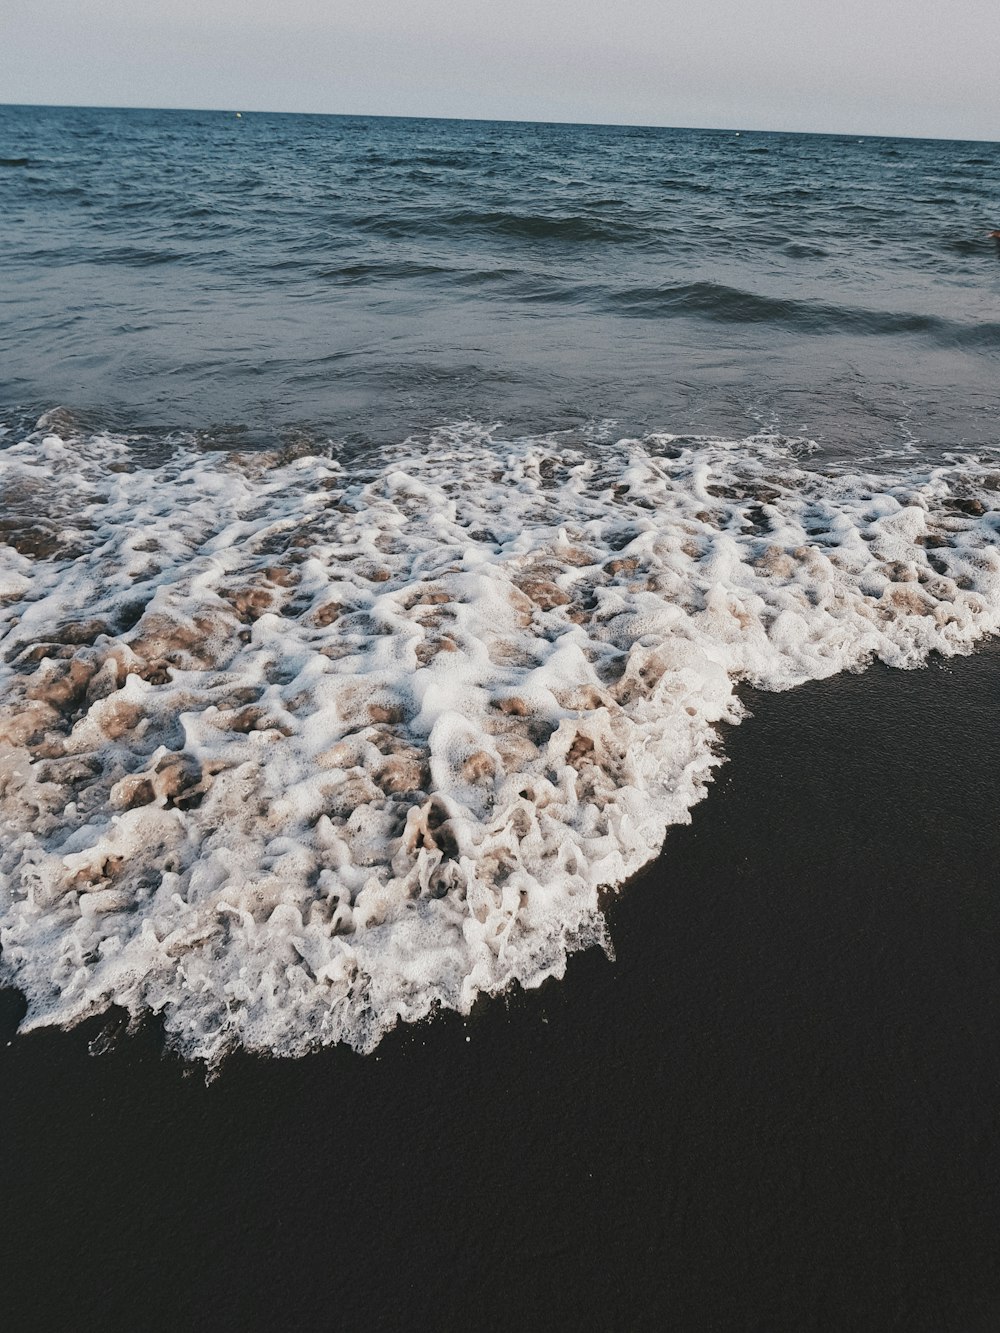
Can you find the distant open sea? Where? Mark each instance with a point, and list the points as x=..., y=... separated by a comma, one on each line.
x=397, y=517
x=277, y=274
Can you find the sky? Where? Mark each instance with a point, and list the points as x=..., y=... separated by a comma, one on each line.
x=906, y=67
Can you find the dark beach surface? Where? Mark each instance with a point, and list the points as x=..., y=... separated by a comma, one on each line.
x=777, y=1110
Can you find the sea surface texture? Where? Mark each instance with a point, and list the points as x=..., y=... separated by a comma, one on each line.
x=391, y=511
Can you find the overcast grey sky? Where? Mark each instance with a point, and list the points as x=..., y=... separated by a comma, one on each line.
x=911, y=67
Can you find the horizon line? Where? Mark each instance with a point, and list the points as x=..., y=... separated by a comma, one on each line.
x=500, y=120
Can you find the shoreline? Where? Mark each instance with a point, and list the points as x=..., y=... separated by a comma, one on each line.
x=776, y=1110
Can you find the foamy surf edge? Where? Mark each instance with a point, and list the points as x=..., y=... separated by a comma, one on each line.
x=292, y=750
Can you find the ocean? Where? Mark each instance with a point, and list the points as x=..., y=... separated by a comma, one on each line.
x=439, y=559
x=297, y=277
x=393, y=510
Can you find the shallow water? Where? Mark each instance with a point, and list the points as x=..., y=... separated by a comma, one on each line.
x=293, y=747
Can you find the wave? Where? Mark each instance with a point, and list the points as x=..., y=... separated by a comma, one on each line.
x=543, y=227
x=360, y=273
x=519, y=226
x=294, y=747
x=128, y=256
x=802, y=250
x=733, y=305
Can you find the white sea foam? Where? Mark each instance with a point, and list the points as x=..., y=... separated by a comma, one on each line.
x=291, y=750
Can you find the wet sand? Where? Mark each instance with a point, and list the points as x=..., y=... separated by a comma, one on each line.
x=777, y=1110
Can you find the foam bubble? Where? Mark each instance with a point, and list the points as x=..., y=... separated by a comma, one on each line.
x=291, y=750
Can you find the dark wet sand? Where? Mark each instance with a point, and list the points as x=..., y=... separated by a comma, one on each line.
x=778, y=1110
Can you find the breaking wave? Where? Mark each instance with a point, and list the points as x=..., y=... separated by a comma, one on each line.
x=295, y=747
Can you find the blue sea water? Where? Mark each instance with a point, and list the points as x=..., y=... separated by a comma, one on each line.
x=368, y=277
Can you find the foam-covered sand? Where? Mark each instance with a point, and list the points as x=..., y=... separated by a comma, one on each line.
x=291, y=749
